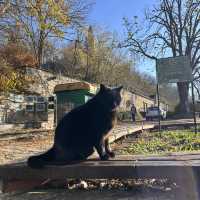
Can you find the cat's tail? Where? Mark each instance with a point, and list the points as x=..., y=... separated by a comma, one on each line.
x=40, y=160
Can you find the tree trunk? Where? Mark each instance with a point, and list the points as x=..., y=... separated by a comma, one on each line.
x=183, y=91
x=39, y=56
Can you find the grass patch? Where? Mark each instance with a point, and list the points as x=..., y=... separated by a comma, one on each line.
x=170, y=141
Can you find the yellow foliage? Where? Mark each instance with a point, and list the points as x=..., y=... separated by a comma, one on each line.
x=12, y=79
x=49, y=14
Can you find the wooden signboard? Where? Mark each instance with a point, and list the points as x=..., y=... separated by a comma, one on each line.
x=173, y=70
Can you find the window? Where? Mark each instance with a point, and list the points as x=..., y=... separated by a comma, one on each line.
x=30, y=99
x=51, y=98
x=40, y=107
x=30, y=108
x=40, y=99
x=51, y=106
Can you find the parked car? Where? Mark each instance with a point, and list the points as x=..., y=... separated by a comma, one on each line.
x=153, y=113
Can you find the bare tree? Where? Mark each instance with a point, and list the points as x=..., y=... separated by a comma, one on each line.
x=173, y=29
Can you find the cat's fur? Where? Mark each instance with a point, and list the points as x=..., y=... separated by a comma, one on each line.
x=83, y=129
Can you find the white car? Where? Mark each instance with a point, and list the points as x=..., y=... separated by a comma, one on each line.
x=153, y=113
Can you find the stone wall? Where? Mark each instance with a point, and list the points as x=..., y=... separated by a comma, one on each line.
x=46, y=81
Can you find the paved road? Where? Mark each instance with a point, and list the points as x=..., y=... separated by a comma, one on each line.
x=165, y=122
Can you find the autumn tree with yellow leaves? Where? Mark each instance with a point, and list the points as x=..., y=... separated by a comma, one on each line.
x=14, y=59
x=44, y=19
x=32, y=23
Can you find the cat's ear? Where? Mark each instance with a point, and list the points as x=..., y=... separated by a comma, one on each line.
x=102, y=87
x=119, y=88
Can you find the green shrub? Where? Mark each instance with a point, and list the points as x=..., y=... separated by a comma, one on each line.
x=170, y=141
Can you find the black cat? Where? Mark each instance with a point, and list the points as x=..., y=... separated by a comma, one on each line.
x=83, y=129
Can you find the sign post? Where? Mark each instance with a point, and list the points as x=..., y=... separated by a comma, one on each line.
x=158, y=100
x=173, y=70
x=194, y=108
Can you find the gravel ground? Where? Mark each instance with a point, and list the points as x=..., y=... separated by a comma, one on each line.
x=11, y=150
x=21, y=148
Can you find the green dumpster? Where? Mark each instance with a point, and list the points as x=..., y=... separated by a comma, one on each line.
x=71, y=95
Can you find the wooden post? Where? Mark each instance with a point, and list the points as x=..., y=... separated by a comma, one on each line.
x=142, y=126
x=194, y=108
x=158, y=99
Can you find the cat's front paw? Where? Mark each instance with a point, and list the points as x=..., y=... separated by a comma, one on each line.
x=105, y=157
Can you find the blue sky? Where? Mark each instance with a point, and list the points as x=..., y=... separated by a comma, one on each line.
x=109, y=14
